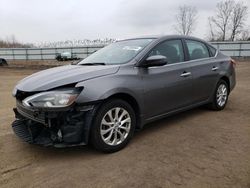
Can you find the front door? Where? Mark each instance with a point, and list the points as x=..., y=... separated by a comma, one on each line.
x=169, y=87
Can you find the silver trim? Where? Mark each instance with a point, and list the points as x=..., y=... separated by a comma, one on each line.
x=28, y=113
x=185, y=62
x=185, y=74
x=215, y=68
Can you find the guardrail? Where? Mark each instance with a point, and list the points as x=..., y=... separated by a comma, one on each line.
x=45, y=53
x=234, y=49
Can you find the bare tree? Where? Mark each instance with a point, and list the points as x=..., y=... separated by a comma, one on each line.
x=245, y=35
x=222, y=18
x=239, y=15
x=185, y=20
x=211, y=36
x=11, y=42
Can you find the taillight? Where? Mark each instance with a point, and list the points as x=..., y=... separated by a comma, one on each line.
x=233, y=62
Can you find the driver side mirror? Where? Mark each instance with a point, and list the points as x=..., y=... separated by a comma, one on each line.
x=155, y=61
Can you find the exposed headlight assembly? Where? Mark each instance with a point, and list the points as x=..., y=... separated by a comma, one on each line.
x=52, y=99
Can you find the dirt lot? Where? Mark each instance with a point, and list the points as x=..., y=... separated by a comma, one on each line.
x=198, y=148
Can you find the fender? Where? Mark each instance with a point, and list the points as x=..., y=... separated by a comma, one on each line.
x=101, y=88
x=225, y=72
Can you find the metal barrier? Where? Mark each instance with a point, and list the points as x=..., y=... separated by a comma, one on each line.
x=45, y=53
x=234, y=49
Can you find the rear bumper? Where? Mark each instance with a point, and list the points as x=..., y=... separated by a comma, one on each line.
x=58, y=129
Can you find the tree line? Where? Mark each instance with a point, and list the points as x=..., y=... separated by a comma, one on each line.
x=227, y=24
x=11, y=42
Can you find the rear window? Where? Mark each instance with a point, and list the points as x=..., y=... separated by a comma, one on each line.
x=197, y=50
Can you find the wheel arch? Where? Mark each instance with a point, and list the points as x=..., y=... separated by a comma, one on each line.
x=131, y=101
x=226, y=79
x=221, y=77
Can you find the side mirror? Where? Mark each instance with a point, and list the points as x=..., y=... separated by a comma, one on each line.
x=155, y=61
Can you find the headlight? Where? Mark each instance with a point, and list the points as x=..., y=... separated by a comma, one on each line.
x=52, y=99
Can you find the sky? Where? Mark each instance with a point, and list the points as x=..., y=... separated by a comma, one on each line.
x=33, y=21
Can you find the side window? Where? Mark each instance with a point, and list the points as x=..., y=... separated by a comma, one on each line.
x=212, y=50
x=171, y=49
x=197, y=50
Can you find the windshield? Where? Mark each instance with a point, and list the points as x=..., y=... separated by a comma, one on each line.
x=117, y=53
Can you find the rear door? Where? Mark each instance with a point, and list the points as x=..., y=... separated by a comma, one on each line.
x=168, y=87
x=204, y=67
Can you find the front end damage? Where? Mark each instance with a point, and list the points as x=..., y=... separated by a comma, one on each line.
x=59, y=128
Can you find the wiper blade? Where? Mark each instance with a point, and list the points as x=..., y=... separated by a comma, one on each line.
x=93, y=64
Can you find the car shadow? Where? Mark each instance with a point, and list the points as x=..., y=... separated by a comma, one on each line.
x=169, y=121
x=88, y=151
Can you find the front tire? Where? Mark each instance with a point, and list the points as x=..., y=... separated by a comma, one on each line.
x=220, y=96
x=113, y=126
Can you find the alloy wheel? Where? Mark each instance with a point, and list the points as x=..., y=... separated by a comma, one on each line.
x=115, y=126
x=221, y=95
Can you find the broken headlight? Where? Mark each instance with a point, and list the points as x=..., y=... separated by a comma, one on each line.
x=52, y=99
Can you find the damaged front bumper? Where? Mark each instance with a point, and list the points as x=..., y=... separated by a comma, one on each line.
x=58, y=128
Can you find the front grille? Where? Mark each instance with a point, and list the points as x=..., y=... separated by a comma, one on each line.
x=30, y=113
x=32, y=132
x=22, y=131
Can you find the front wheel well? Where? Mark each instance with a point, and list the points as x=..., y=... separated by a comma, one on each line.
x=130, y=100
x=226, y=80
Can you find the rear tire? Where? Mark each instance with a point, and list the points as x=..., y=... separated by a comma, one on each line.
x=220, y=96
x=113, y=126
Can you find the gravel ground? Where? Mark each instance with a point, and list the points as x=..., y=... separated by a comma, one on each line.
x=197, y=148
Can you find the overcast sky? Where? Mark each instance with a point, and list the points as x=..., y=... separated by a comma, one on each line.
x=56, y=20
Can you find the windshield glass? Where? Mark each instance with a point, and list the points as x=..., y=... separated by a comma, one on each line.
x=117, y=53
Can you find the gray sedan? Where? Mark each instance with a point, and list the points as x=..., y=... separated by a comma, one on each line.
x=118, y=89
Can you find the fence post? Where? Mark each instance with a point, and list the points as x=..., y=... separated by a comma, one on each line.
x=41, y=51
x=13, y=54
x=26, y=51
x=240, y=50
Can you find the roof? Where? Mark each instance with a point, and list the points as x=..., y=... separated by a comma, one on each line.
x=165, y=37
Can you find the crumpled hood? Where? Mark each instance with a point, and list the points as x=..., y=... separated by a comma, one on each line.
x=64, y=75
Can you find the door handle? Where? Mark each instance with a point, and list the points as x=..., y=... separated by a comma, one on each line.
x=215, y=68
x=185, y=74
